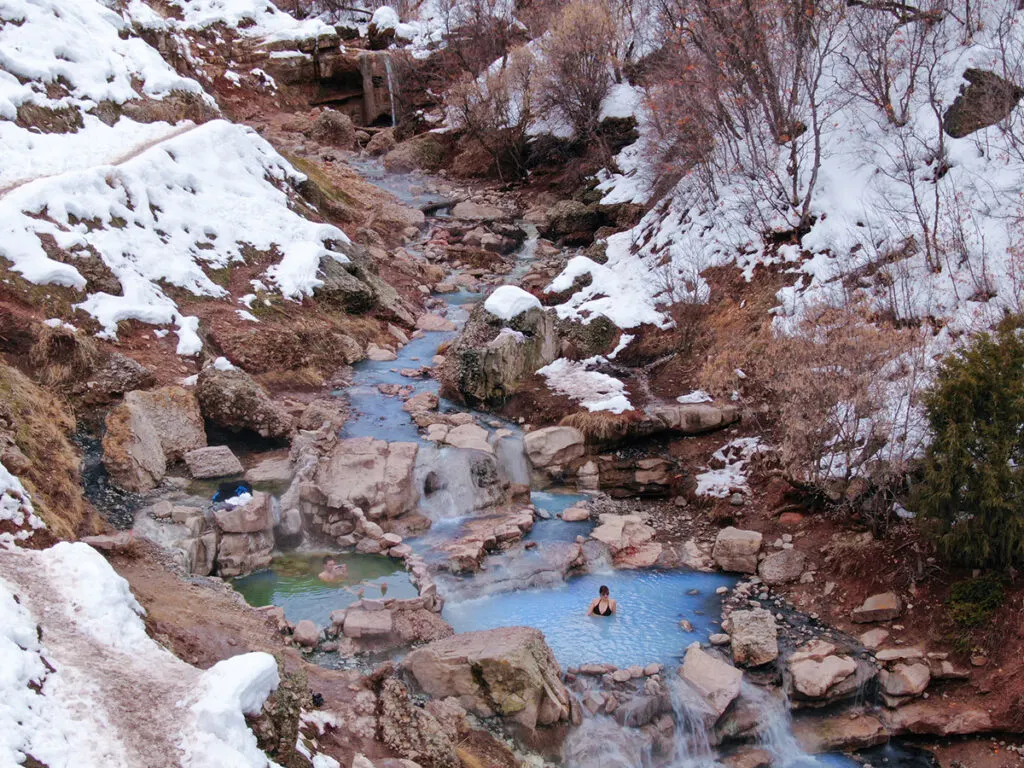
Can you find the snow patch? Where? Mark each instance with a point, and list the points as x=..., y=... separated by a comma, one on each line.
x=385, y=18
x=231, y=689
x=16, y=509
x=594, y=390
x=697, y=396
x=730, y=476
x=510, y=301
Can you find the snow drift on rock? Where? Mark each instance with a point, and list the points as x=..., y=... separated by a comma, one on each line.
x=509, y=301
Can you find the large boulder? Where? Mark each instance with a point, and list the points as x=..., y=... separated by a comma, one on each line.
x=174, y=413
x=233, y=400
x=471, y=436
x=571, y=219
x=905, y=679
x=132, y=453
x=782, y=567
x=372, y=475
x=334, y=128
x=940, y=717
x=493, y=357
x=736, y=550
x=629, y=540
x=242, y=553
x=815, y=669
x=509, y=671
x=987, y=100
x=553, y=446
x=146, y=432
x=213, y=461
x=754, y=636
x=467, y=210
x=381, y=143
x=717, y=682
x=412, y=731
x=844, y=732
x=341, y=287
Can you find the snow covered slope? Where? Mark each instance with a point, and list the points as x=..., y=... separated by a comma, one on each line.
x=161, y=205
x=907, y=224
x=82, y=684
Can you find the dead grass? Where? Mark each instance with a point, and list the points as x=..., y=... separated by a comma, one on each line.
x=60, y=357
x=40, y=424
x=307, y=377
x=601, y=426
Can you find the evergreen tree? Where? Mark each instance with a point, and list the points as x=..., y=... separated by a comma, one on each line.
x=973, y=484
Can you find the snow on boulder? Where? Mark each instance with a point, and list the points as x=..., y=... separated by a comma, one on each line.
x=510, y=301
x=231, y=689
x=385, y=17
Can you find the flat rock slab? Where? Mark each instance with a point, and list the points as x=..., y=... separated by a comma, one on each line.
x=881, y=607
x=215, y=461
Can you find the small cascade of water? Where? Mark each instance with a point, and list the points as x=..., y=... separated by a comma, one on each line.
x=693, y=720
x=455, y=482
x=775, y=732
x=391, y=90
x=600, y=742
x=512, y=459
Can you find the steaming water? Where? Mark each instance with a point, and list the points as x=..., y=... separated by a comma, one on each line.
x=291, y=583
x=645, y=629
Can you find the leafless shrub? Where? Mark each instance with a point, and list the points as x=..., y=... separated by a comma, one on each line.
x=750, y=76
x=495, y=111
x=886, y=54
x=577, y=65
x=848, y=420
x=478, y=32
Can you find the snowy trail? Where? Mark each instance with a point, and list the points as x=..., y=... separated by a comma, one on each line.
x=120, y=159
x=137, y=702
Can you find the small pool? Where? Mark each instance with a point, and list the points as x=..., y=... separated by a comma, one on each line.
x=645, y=629
x=291, y=582
x=555, y=529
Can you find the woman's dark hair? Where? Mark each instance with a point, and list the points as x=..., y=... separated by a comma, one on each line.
x=603, y=591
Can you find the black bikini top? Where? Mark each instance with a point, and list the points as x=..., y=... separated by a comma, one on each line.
x=606, y=612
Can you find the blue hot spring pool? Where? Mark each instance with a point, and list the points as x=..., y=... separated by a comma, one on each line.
x=645, y=629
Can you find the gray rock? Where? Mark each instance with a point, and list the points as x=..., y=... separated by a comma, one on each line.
x=753, y=635
x=782, y=567
x=881, y=607
x=233, y=400
x=736, y=550
x=214, y=461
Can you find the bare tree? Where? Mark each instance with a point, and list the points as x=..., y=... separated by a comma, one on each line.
x=578, y=65
x=753, y=73
x=496, y=110
x=478, y=32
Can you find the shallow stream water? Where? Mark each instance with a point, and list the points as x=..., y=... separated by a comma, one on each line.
x=651, y=604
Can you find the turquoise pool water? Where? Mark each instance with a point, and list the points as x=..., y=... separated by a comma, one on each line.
x=291, y=582
x=645, y=629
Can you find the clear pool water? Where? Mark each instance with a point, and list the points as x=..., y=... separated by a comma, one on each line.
x=645, y=629
x=556, y=502
x=291, y=582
